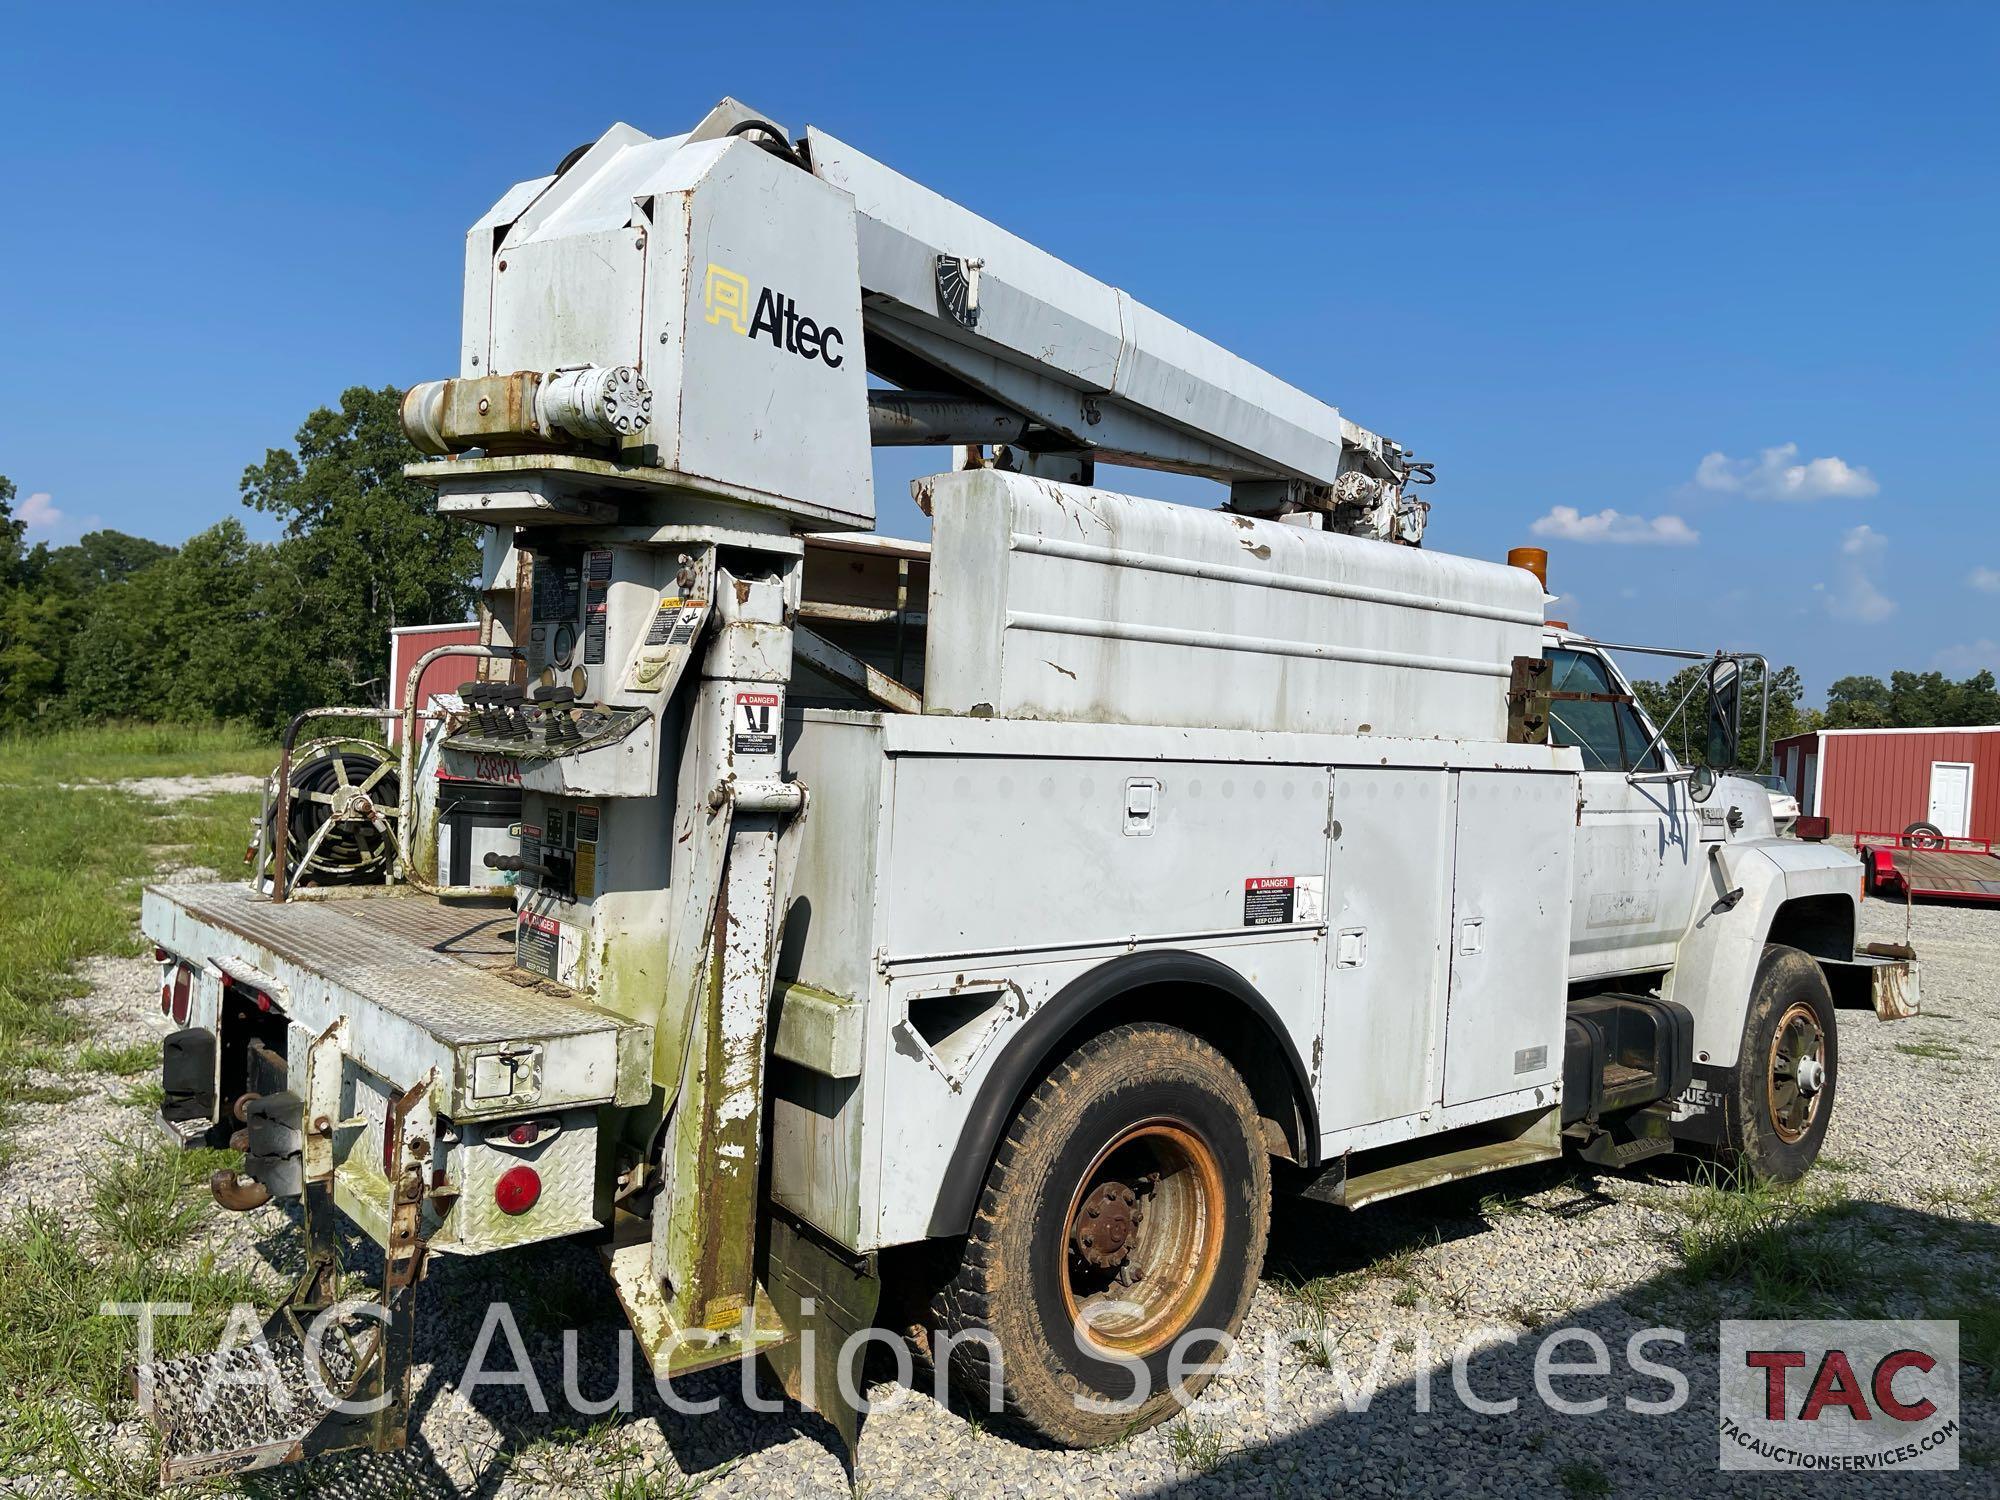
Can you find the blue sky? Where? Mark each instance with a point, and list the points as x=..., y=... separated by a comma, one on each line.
x=1701, y=297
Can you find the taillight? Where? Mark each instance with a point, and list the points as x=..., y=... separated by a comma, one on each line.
x=517, y=1190
x=183, y=994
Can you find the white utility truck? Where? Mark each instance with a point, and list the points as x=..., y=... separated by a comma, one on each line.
x=991, y=921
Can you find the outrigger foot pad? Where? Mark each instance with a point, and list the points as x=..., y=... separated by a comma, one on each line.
x=252, y=1407
x=260, y=1404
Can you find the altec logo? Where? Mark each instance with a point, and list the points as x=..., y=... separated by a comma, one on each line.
x=1840, y=1397
x=776, y=317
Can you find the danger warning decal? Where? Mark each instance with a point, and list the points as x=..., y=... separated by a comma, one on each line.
x=1274, y=900
x=757, y=716
x=537, y=944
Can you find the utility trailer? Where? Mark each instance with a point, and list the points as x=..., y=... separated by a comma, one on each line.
x=975, y=922
x=1925, y=863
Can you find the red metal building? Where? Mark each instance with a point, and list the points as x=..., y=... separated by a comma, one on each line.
x=1883, y=780
x=444, y=675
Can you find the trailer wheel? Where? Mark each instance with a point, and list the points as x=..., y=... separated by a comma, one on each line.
x=1130, y=1196
x=1787, y=1070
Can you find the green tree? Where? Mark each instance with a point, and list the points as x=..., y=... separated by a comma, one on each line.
x=1912, y=700
x=1857, y=703
x=1686, y=735
x=11, y=531
x=367, y=546
x=218, y=630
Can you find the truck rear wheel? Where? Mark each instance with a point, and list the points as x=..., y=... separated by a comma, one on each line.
x=1130, y=1195
x=1785, y=1075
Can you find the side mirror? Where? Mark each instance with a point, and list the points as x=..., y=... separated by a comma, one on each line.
x=1725, y=714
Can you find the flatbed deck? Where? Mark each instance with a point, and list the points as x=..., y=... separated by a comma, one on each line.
x=1963, y=870
x=1936, y=872
x=422, y=983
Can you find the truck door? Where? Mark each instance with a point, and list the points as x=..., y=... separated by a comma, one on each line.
x=1638, y=856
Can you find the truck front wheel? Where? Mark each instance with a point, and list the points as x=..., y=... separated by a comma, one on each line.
x=1785, y=1075
x=1120, y=1231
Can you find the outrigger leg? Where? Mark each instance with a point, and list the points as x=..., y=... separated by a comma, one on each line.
x=313, y=1381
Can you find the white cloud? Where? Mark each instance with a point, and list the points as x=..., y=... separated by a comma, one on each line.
x=1862, y=541
x=1974, y=656
x=1854, y=596
x=1777, y=474
x=1986, y=580
x=39, y=513
x=1568, y=524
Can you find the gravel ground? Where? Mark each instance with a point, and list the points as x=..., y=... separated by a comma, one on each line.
x=1505, y=1258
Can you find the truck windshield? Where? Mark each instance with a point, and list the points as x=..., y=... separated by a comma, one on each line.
x=1589, y=713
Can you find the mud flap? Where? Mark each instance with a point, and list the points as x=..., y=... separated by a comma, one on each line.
x=825, y=1299
x=1890, y=983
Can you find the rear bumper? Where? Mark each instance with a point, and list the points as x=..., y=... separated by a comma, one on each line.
x=515, y=1077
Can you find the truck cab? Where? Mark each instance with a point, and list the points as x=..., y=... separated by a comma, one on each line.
x=1686, y=898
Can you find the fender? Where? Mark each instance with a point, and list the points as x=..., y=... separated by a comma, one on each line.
x=1033, y=1047
x=1718, y=954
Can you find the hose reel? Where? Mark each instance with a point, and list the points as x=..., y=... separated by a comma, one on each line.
x=343, y=793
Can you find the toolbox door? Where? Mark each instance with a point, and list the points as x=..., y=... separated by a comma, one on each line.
x=1389, y=899
x=1509, y=934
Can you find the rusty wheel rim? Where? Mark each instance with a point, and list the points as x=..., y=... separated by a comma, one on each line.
x=1137, y=1269
x=1796, y=1078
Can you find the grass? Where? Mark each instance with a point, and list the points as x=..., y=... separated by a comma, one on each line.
x=1935, y=1051
x=74, y=855
x=117, y=752
x=1313, y=1305
x=1194, y=1447
x=119, y=1062
x=1583, y=1479
x=73, y=858
x=140, y=1199
x=1793, y=1246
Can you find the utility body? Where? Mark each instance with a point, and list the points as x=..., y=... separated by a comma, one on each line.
x=986, y=922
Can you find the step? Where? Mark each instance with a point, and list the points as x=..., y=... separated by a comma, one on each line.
x=1433, y=1160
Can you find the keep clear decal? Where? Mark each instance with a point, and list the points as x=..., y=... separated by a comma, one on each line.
x=1275, y=900
x=757, y=716
x=538, y=944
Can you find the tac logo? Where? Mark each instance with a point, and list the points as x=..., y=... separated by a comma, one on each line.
x=1839, y=1397
x=776, y=316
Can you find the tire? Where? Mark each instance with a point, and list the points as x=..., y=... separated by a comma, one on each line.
x=1776, y=1118
x=1138, y=1099
x=1924, y=836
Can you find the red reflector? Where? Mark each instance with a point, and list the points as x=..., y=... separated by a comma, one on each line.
x=166, y=997
x=264, y=1002
x=183, y=993
x=1812, y=829
x=517, y=1190
x=160, y=955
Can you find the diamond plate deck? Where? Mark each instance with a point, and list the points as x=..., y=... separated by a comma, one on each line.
x=424, y=986
x=435, y=964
